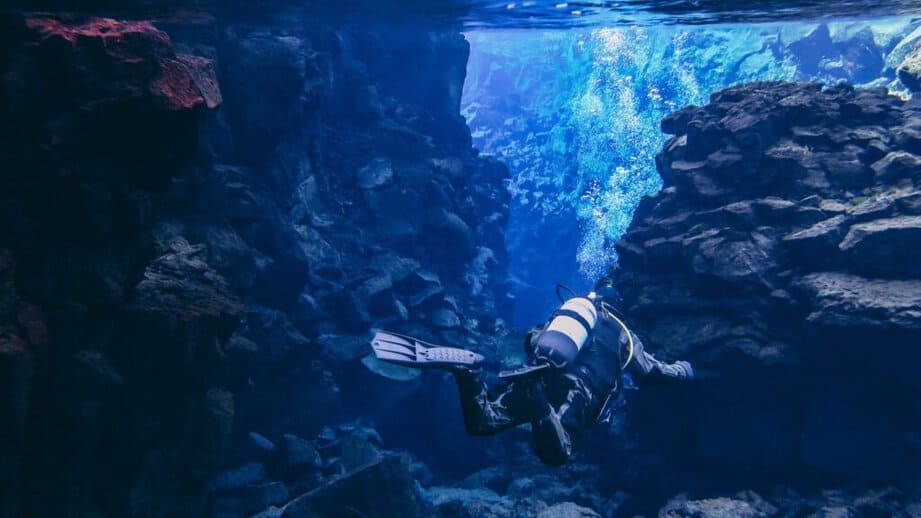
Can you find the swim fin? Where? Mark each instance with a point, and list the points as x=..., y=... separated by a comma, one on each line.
x=411, y=352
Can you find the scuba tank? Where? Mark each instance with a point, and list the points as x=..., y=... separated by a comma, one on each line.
x=568, y=330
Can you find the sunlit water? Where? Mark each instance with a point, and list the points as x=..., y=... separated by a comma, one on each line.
x=560, y=14
x=575, y=113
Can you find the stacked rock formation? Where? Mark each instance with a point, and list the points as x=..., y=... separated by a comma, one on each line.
x=779, y=259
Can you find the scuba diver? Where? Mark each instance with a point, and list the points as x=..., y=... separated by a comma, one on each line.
x=575, y=365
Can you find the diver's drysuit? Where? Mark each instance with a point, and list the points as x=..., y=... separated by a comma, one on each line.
x=558, y=394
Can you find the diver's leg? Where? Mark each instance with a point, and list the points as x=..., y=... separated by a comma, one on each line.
x=569, y=411
x=490, y=406
x=552, y=441
x=647, y=366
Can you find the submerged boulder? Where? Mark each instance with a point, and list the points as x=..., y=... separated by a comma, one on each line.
x=878, y=246
x=383, y=487
x=909, y=70
x=843, y=300
x=712, y=508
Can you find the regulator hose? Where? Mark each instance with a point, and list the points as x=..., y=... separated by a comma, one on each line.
x=565, y=287
x=610, y=314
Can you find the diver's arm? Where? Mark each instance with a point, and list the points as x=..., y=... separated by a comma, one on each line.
x=647, y=369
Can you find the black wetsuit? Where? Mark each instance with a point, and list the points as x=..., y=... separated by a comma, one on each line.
x=559, y=403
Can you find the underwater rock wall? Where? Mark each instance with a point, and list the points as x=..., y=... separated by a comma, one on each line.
x=198, y=232
x=779, y=259
x=110, y=337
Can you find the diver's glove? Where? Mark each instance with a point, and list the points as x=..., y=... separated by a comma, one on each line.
x=680, y=370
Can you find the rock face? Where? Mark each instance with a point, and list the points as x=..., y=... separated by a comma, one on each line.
x=110, y=335
x=189, y=268
x=910, y=70
x=778, y=258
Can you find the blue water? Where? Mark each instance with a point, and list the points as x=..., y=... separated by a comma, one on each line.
x=560, y=14
x=574, y=113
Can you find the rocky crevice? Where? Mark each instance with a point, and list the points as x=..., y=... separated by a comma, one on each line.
x=203, y=217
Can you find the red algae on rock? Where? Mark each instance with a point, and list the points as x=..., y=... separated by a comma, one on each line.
x=102, y=57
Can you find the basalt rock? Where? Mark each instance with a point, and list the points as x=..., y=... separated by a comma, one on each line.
x=100, y=118
x=23, y=335
x=910, y=70
x=197, y=265
x=382, y=487
x=783, y=501
x=778, y=259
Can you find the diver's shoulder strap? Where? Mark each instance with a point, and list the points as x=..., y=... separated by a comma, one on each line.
x=608, y=313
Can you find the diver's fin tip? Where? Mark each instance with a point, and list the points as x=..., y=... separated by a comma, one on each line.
x=411, y=352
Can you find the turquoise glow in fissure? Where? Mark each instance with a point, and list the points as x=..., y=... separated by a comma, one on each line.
x=575, y=115
x=585, y=130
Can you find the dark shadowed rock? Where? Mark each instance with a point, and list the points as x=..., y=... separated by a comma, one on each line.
x=567, y=510
x=813, y=48
x=383, y=487
x=181, y=287
x=17, y=363
x=263, y=104
x=262, y=443
x=300, y=454
x=307, y=311
x=427, y=297
x=735, y=260
x=710, y=508
x=377, y=292
x=780, y=249
x=456, y=235
x=343, y=347
x=376, y=174
x=398, y=268
x=897, y=165
x=100, y=368
x=843, y=300
x=449, y=501
x=247, y=474
x=349, y=310
x=258, y=497
x=815, y=246
x=445, y=318
x=833, y=425
x=150, y=240
x=879, y=246
x=910, y=70
x=128, y=93
x=273, y=333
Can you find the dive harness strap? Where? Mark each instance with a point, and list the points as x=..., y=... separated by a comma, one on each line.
x=630, y=346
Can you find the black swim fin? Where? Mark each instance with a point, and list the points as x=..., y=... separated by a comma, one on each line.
x=411, y=352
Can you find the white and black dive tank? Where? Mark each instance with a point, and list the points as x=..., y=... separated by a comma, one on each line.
x=567, y=331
